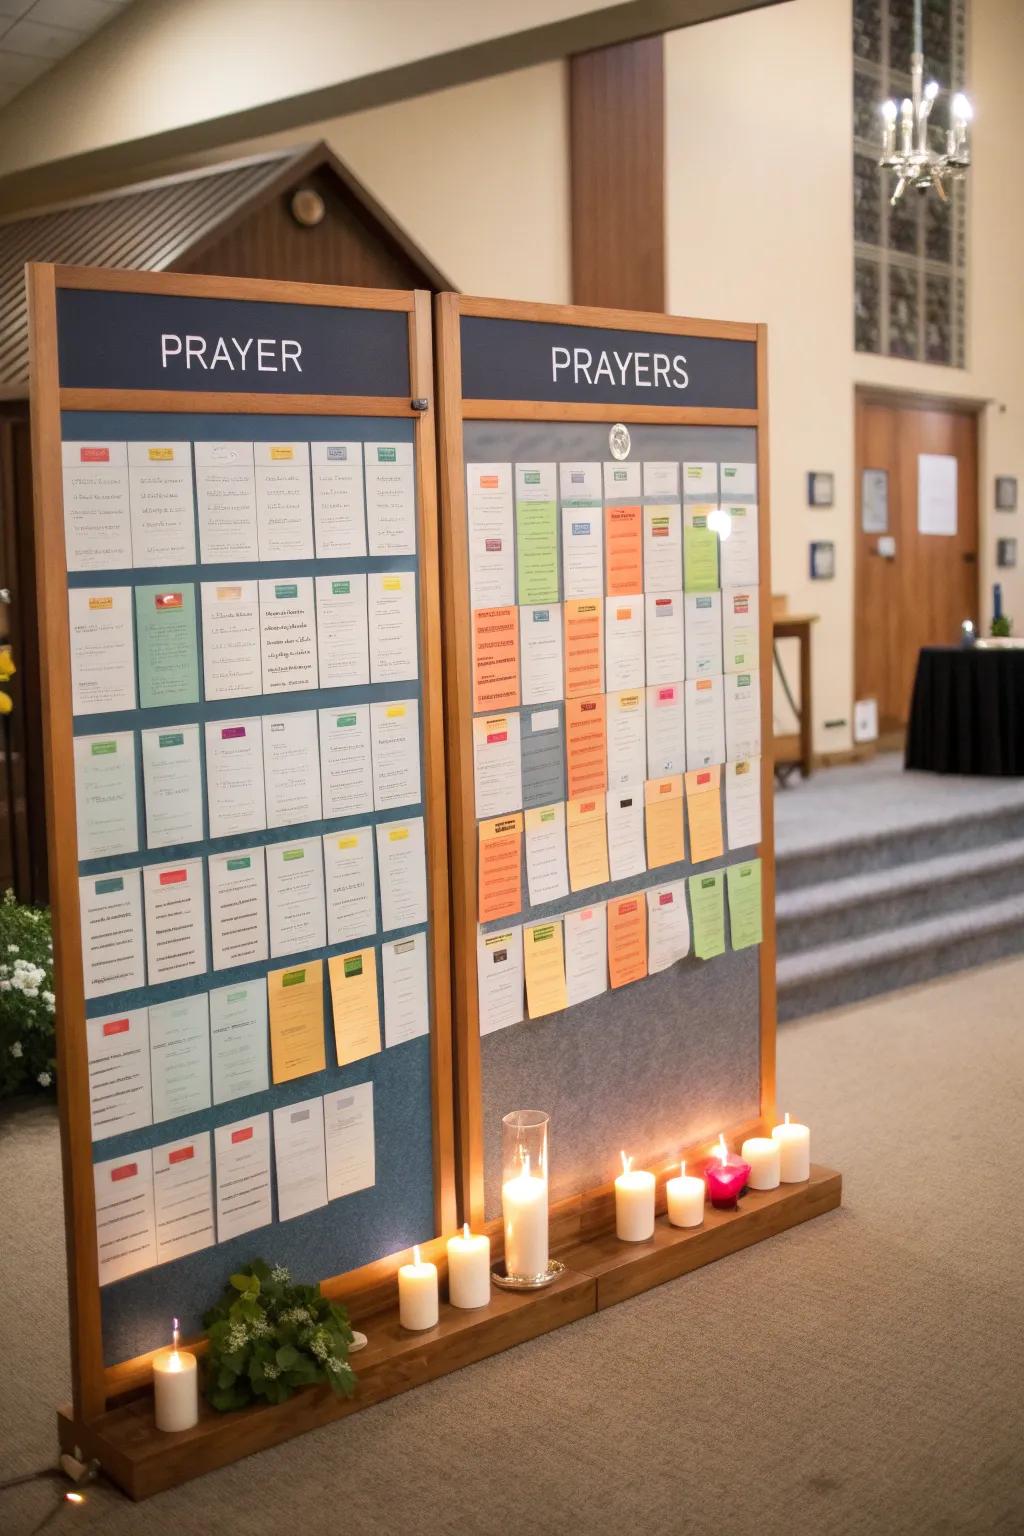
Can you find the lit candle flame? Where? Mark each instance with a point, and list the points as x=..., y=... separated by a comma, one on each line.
x=787, y=1116
x=682, y=1168
x=723, y=1150
x=416, y=1253
x=175, y=1333
x=75, y=1498
x=627, y=1162
x=465, y=1230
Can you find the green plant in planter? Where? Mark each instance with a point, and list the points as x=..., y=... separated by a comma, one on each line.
x=1002, y=627
x=28, y=1046
x=268, y=1336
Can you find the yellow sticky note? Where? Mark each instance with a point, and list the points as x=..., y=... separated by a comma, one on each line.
x=587, y=837
x=353, y=979
x=296, y=1001
x=544, y=961
x=663, y=820
x=704, y=813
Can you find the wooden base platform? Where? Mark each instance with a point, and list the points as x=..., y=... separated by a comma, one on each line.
x=142, y=1460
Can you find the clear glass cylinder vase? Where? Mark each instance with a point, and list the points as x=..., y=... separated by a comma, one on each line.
x=524, y=1193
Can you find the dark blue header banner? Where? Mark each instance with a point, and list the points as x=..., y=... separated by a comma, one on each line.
x=109, y=340
x=537, y=360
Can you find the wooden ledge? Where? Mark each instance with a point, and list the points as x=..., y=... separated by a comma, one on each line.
x=623, y=1269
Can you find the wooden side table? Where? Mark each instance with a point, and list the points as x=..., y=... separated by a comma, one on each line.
x=795, y=751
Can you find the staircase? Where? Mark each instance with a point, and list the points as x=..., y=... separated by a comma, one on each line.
x=910, y=877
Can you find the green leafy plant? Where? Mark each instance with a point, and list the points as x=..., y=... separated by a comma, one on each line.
x=1002, y=627
x=268, y=1336
x=27, y=1041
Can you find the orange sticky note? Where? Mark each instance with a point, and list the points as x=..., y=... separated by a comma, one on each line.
x=704, y=813
x=544, y=964
x=624, y=551
x=586, y=746
x=499, y=876
x=663, y=820
x=353, y=979
x=584, y=646
x=586, y=834
x=627, y=939
x=296, y=1002
x=495, y=659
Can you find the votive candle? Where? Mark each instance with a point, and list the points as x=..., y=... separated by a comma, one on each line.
x=726, y=1178
x=634, y=1203
x=763, y=1154
x=794, y=1151
x=417, y=1293
x=524, y=1206
x=685, y=1195
x=469, y=1269
x=175, y=1386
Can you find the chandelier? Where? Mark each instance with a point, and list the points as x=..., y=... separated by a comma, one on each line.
x=911, y=158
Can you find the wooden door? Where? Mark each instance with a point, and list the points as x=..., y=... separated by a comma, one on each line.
x=911, y=587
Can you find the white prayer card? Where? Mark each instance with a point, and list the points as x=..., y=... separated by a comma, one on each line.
x=625, y=820
x=125, y=1221
x=391, y=609
x=547, y=871
x=666, y=730
x=179, y=1053
x=339, y=518
x=295, y=890
x=120, y=1098
x=497, y=765
x=97, y=520
x=406, y=992
x=661, y=478
x=705, y=722
x=663, y=635
x=739, y=553
x=668, y=926
x=491, y=537
x=239, y=1040
x=234, y=777
x=350, y=885
x=401, y=860
x=342, y=636
x=175, y=920
x=499, y=974
x=288, y=635
x=703, y=611
x=663, y=548
x=232, y=655
x=346, y=764
x=390, y=498
x=291, y=768
x=300, y=1158
x=243, y=1177
x=162, y=506
x=395, y=738
x=284, y=507
x=183, y=1197
x=173, y=785
x=540, y=653
x=743, y=802
x=582, y=551
x=700, y=481
x=580, y=482
x=740, y=631
x=738, y=480
x=742, y=715
x=110, y=907
x=585, y=933
x=536, y=482
x=226, y=485
x=102, y=643
x=624, y=642
x=622, y=482
x=626, y=738
x=348, y=1134
x=105, y=806
x=238, y=907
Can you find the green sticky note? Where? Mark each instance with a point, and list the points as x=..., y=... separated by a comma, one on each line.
x=700, y=556
x=537, y=551
x=707, y=909
x=745, y=903
x=165, y=633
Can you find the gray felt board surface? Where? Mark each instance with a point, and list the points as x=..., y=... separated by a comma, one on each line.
x=670, y=1060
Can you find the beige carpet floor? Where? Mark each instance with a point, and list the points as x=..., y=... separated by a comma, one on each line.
x=862, y=1374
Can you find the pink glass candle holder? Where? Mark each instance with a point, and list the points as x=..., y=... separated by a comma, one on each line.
x=726, y=1177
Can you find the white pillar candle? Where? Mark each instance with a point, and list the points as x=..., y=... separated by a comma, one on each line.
x=417, y=1293
x=794, y=1151
x=763, y=1153
x=175, y=1387
x=634, y=1203
x=524, y=1206
x=685, y=1195
x=469, y=1269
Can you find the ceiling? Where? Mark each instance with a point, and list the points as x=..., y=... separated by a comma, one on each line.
x=36, y=34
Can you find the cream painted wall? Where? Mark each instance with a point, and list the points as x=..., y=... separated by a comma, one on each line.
x=759, y=228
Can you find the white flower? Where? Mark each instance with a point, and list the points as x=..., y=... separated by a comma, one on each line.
x=280, y=1274
x=271, y=1371
x=31, y=991
x=16, y=1048
x=44, y=1079
x=48, y=998
x=51, y=1007
x=12, y=949
x=5, y=986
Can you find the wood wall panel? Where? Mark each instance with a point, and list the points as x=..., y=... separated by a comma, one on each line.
x=617, y=170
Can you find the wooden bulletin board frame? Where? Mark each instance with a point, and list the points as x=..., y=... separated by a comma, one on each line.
x=587, y=1211
x=95, y=1384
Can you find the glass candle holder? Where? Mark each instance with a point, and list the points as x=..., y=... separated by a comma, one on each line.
x=726, y=1178
x=524, y=1193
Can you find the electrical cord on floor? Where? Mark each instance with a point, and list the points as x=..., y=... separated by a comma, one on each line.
x=79, y=1472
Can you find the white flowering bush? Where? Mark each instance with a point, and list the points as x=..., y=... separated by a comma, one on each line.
x=27, y=1041
x=268, y=1336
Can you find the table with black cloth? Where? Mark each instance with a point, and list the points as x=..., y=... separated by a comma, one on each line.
x=967, y=714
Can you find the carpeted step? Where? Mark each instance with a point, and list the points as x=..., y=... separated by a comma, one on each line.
x=835, y=975
x=889, y=848
x=847, y=908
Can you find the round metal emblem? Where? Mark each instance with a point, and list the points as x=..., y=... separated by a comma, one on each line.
x=619, y=441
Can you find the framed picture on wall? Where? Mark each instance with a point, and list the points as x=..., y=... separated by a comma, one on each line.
x=820, y=488
x=1006, y=493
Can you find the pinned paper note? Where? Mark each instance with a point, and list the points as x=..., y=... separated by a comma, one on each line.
x=663, y=816
x=704, y=813
x=587, y=839
x=584, y=651
x=743, y=802
x=544, y=962
x=546, y=869
x=495, y=659
x=585, y=935
x=745, y=924
x=624, y=550
x=707, y=908
x=627, y=939
x=499, y=878
x=537, y=551
x=296, y=1000
x=499, y=969
x=700, y=550
x=354, y=1005
x=586, y=747
x=668, y=926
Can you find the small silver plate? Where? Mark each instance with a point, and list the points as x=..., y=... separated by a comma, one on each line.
x=529, y=1282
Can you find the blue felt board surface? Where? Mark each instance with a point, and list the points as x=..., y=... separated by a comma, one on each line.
x=399, y=1209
